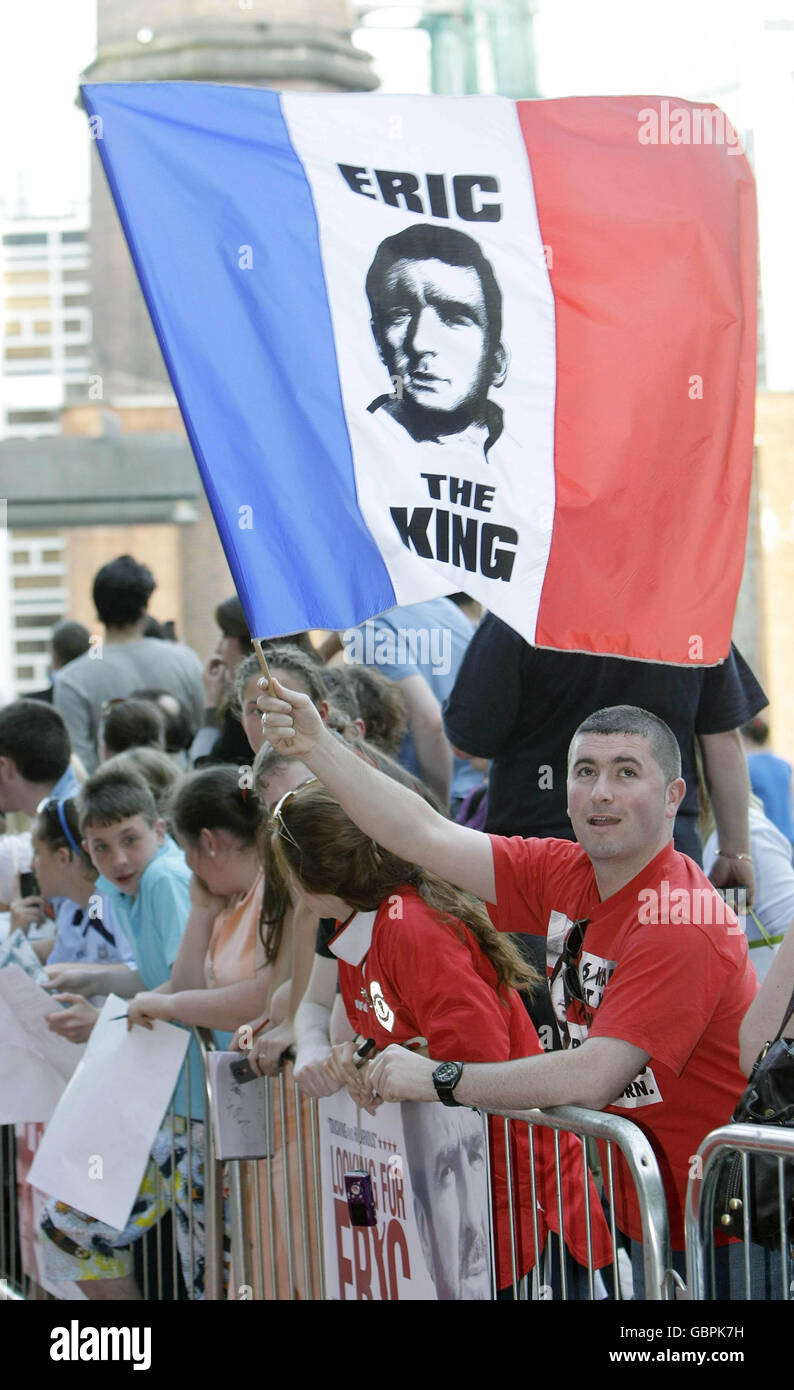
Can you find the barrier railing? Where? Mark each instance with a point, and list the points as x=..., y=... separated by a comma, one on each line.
x=277, y=1235
x=274, y=1212
x=753, y=1272
x=164, y=1266
x=613, y=1132
x=275, y=1203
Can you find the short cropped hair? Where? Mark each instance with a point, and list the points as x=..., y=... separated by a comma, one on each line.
x=35, y=737
x=425, y=242
x=122, y=589
x=113, y=794
x=69, y=640
x=630, y=719
x=155, y=767
x=230, y=618
x=133, y=724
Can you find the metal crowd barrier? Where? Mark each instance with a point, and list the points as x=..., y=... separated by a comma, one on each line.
x=275, y=1203
x=157, y=1264
x=15, y=1283
x=274, y=1220
x=267, y=1212
x=614, y=1132
x=756, y=1273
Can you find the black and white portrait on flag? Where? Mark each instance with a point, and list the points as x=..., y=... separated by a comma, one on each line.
x=436, y=312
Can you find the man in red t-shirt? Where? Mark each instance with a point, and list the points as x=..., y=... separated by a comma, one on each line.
x=648, y=971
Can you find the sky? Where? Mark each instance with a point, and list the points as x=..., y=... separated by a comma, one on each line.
x=697, y=49
x=681, y=47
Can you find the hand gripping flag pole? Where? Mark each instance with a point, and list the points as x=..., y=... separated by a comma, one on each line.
x=257, y=645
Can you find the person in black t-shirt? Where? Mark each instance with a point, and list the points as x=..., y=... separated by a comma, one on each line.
x=519, y=706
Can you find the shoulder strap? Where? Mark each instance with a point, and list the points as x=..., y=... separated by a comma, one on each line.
x=786, y=1017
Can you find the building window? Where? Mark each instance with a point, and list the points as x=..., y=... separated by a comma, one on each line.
x=32, y=581
x=25, y=239
x=42, y=326
x=19, y=354
x=31, y=417
x=73, y=273
x=75, y=301
x=25, y=277
x=73, y=236
x=13, y=329
x=28, y=648
x=28, y=301
x=34, y=620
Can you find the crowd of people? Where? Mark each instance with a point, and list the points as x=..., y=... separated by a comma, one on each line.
x=482, y=859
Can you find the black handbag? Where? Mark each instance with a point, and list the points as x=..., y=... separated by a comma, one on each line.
x=767, y=1100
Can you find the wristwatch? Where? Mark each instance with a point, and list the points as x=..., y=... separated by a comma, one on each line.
x=445, y=1078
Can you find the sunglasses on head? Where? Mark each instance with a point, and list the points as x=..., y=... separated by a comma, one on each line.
x=283, y=828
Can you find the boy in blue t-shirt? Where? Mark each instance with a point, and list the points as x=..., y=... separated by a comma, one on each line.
x=144, y=874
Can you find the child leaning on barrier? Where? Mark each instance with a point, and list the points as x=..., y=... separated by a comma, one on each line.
x=420, y=960
x=86, y=929
x=221, y=977
x=143, y=873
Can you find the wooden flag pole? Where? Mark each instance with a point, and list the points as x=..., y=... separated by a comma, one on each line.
x=257, y=645
x=257, y=641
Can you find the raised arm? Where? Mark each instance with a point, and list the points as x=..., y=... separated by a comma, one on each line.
x=392, y=815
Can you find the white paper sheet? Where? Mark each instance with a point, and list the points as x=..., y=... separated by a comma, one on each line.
x=94, y=1152
x=35, y=1064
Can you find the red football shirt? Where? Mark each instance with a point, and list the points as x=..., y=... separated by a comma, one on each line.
x=664, y=966
x=405, y=972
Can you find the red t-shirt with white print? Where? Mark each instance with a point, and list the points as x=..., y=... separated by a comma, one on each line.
x=405, y=972
x=664, y=966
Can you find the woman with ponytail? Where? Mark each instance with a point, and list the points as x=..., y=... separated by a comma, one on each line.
x=220, y=978
x=420, y=964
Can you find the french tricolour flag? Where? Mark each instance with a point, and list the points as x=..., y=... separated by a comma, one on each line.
x=425, y=344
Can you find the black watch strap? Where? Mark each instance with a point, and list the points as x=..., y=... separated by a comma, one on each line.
x=445, y=1078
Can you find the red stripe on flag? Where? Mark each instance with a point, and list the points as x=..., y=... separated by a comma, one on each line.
x=652, y=251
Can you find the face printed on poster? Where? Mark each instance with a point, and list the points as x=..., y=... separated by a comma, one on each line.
x=425, y=1168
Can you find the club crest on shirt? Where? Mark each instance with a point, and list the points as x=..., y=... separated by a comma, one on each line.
x=383, y=1013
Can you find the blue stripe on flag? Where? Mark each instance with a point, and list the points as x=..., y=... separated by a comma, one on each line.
x=240, y=308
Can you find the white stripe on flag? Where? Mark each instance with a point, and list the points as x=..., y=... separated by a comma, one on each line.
x=482, y=520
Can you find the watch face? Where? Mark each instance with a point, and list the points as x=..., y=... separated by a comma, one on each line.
x=446, y=1072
